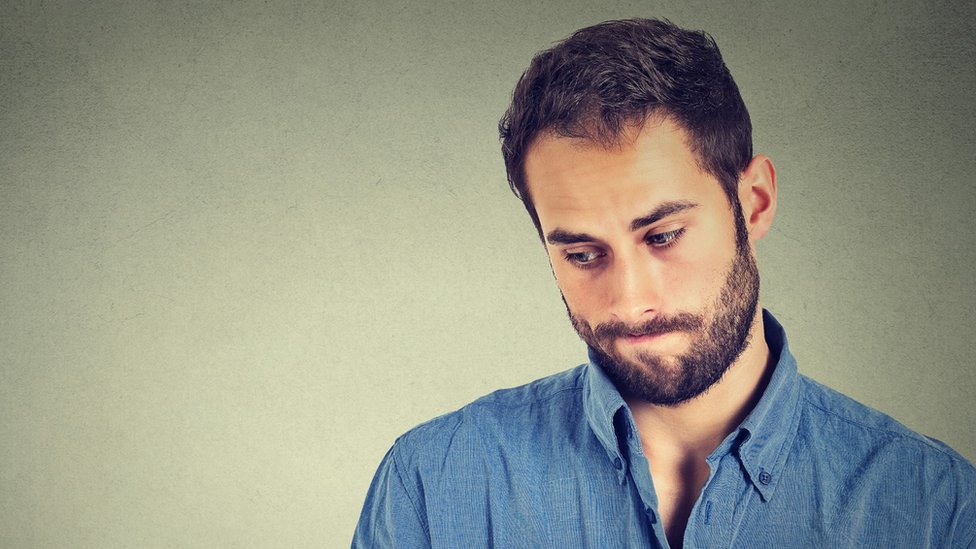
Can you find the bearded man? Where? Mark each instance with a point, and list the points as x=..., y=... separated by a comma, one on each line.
x=631, y=149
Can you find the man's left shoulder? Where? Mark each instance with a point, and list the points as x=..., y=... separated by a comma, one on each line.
x=859, y=430
x=876, y=476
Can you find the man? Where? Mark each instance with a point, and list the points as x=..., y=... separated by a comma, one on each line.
x=630, y=147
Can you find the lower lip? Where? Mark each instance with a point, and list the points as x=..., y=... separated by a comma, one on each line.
x=644, y=338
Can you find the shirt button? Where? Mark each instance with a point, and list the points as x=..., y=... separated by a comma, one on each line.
x=765, y=478
x=617, y=463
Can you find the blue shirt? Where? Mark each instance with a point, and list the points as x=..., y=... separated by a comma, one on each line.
x=558, y=463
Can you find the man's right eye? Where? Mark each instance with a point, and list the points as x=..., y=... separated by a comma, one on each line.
x=583, y=259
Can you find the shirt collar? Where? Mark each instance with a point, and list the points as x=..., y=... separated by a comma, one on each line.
x=768, y=431
x=763, y=439
x=601, y=402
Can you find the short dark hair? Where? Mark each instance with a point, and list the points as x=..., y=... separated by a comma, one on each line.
x=617, y=74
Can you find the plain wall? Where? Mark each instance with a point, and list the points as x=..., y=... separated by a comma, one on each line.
x=243, y=246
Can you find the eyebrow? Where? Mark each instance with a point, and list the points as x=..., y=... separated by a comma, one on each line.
x=560, y=236
x=663, y=210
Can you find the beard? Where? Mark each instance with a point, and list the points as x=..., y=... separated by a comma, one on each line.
x=719, y=336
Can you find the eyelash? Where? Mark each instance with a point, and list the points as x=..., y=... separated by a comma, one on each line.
x=573, y=259
x=671, y=238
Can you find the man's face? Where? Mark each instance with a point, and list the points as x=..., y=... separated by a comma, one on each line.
x=654, y=266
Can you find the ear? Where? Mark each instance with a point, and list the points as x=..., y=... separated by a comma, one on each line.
x=757, y=194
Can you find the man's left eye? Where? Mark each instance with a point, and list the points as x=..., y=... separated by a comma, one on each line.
x=664, y=240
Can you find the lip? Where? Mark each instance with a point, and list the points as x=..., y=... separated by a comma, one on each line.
x=641, y=338
x=651, y=337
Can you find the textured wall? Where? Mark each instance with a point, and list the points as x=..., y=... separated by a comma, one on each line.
x=244, y=246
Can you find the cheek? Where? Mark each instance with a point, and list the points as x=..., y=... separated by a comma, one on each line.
x=693, y=274
x=695, y=288
x=703, y=277
x=680, y=283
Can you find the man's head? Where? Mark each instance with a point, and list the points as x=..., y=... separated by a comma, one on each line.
x=617, y=74
x=631, y=149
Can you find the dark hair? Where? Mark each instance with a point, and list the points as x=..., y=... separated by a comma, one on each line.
x=617, y=74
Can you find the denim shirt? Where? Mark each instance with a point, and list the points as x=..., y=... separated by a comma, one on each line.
x=558, y=463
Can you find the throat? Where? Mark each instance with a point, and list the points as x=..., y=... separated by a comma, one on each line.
x=678, y=484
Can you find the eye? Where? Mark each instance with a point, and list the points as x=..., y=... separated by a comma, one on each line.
x=664, y=240
x=585, y=259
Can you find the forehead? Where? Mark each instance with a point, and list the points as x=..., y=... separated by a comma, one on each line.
x=573, y=180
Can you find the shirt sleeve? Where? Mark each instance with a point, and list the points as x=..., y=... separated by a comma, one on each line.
x=965, y=515
x=392, y=516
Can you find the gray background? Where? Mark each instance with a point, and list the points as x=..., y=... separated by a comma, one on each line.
x=244, y=246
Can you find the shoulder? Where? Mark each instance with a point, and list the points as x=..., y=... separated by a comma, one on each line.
x=840, y=413
x=879, y=448
x=506, y=415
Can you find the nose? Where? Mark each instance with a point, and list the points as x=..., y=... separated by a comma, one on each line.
x=636, y=288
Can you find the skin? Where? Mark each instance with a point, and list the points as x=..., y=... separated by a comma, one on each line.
x=611, y=267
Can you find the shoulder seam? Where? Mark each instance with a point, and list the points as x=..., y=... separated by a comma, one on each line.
x=456, y=418
x=413, y=503
x=542, y=398
x=887, y=432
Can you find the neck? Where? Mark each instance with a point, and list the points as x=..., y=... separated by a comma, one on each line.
x=696, y=427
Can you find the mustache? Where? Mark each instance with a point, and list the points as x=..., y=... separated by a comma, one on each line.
x=686, y=322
